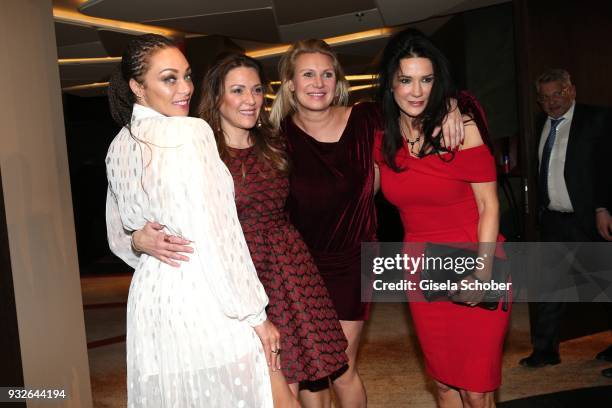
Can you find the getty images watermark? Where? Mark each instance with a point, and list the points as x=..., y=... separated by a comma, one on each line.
x=452, y=268
x=518, y=271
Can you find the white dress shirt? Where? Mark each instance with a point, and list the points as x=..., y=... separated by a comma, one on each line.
x=557, y=189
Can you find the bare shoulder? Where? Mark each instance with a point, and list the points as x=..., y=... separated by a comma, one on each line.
x=472, y=134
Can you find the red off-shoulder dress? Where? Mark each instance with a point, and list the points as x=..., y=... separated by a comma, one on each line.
x=462, y=345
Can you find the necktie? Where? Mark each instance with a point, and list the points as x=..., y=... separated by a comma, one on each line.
x=548, y=146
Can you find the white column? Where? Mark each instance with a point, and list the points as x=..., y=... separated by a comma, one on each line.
x=37, y=196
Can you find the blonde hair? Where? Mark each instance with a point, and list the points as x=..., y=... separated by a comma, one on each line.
x=284, y=103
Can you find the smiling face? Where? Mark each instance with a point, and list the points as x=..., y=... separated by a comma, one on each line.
x=412, y=85
x=314, y=81
x=241, y=101
x=166, y=86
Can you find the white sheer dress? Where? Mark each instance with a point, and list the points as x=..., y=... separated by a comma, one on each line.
x=190, y=341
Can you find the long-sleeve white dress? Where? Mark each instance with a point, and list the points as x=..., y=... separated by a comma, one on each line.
x=190, y=341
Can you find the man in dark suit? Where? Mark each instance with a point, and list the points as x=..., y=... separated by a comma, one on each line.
x=566, y=188
x=603, y=218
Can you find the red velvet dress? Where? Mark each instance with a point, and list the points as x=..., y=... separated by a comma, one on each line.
x=312, y=342
x=331, y=203
x=462, y=345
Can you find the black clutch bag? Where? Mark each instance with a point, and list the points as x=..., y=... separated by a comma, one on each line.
x=446, y=266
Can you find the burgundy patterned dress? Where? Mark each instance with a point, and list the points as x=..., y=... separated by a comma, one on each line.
x=312, y=342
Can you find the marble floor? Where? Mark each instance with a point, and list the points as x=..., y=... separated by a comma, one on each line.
x=390, y=361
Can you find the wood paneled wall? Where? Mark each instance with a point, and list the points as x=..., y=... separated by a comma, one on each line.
x=570, y=34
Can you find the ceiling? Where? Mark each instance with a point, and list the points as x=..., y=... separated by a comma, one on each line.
x=88, y=29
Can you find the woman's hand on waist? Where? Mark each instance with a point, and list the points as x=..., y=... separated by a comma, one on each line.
x=153, y=241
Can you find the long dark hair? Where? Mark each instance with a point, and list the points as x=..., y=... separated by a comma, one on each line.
x=266, y=140
x=134, y=65
x=411, y=43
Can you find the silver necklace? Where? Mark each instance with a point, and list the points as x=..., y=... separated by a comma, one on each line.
x=410, y=142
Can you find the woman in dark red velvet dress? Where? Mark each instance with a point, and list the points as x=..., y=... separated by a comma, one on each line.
x=332, y=182
x=312, y=342
x=442, y=197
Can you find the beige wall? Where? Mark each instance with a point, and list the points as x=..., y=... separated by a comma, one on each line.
x=38, y=203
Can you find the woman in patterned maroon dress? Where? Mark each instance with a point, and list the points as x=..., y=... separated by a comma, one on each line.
x=312, y=342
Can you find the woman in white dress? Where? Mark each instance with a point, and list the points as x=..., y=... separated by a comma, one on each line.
x=192, y=332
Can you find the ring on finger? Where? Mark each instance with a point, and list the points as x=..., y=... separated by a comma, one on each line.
x=277, y=351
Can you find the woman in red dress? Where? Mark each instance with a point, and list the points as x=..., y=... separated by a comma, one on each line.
x=442, y=196
x=333, y=182
x=312, y=344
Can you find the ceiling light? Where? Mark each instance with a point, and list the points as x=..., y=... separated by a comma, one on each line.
x=360, y=87
x=95, y=85
x=339, y=40
x=364, y=77
x=73, y=17
x=87, y=61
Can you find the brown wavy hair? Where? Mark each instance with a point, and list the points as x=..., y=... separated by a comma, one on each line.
x=266, y=140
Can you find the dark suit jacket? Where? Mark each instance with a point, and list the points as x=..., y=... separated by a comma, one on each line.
x=584, y=161
x=603, y=171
